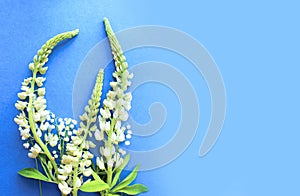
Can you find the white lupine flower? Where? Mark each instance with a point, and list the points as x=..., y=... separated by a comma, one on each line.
x=39, y=133
x=109, y=103
x=119, y=162
x=24, y=133
x=129, y=132
x=76, y=140
x=105, y=151
x=78, y=183
x=74, y=122
x=113, y=84
x=102, y=123
x=99, y=135
x=128, y=136
x=105, y=113
x=37, y=117
x=21, y=121
x=44, y=126
x=87, y=155
x=26, y=145
x=87, y=172
x=26, y=81
x=51, y=138
x=31, y=66
x=41, y=91
x=111, y=94
x=40, y=103
x=121, y=137
x=110, y=163
x=123, y=116
x=22, y=95
x=121, y=151
x=39, y=81
x=87, y=163
x=91, y=144
x=20, y=105
x=127, y=143
x=64, y=188
x=118, y=125
x=55, y=156
x=100, y=163
x=61, y=127
x=62, y=177
x=113, y=137
x=67, y=159
x=68, y=168
x=34, y=151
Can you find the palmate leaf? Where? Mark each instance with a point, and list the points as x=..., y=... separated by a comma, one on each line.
x=134, y=189
x=94, y=186
x=129, y=179
x=34, y=174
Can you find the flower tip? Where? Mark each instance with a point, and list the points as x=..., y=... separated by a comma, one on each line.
x=105, y=19
x=76, y=31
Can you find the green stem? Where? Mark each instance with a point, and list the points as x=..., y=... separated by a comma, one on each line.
x=32, y=125
x=40, y=183
x=109, y=171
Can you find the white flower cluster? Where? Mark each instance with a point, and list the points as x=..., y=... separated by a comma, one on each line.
x=75, y=154
x=40, y=114
x=70, y=150
x=115, y=111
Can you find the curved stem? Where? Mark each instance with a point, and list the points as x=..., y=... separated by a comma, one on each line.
x=33, y=128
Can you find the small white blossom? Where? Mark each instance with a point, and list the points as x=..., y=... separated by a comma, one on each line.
x=34, y=151
x=39, y=133
x=44, y=126
x=39, y=81
x=20, y=105
x=110, y=163
x=87, y=172
x=26, y=81
x=62, y=177
x=128, y=136
x=41, y=91
x=22, y=95
x=78, y=183
x=100, y=163
x=127, y=143
x=99, y=135
x=109, y=103
x=26, y=145
x=51, y=138
x=24, y=133
x=64, y=188
x=105, y=113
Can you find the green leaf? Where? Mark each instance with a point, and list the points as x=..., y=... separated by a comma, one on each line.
x=127, y=180
x=134, y=189
x=34, y=174
x=94, y=186
x=96, y=177
x=119, y=170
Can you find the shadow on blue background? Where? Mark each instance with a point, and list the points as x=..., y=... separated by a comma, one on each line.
x=256, y=46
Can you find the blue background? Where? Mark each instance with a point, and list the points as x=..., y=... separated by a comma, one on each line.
x=256, y=46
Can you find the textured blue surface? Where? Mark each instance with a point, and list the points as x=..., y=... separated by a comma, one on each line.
x=256, y=46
